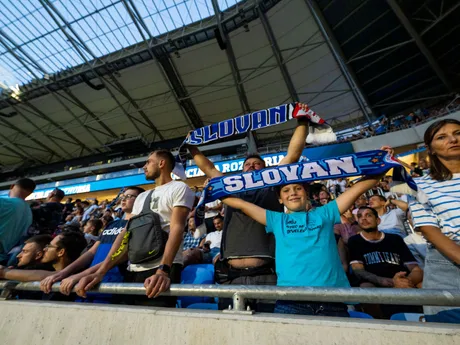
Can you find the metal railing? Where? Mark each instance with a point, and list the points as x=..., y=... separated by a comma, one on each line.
x=241, y=293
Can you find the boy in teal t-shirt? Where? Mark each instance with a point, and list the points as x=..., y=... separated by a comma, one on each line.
x=306, y=251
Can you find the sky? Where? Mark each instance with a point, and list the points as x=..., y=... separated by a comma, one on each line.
x=104, y=25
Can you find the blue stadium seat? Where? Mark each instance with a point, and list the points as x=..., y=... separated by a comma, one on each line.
x=359, y=315
x=196, y=274
x=203, y=306
x=414, y=317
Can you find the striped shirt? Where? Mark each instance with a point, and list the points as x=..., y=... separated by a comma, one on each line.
x=438, y=204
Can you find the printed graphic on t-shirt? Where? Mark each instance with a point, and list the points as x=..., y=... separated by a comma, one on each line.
x=294, y=226
x=154, y=205
x=382, y=257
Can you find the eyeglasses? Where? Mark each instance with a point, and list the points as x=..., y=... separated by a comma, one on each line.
x=127, y=197
x=50, y=246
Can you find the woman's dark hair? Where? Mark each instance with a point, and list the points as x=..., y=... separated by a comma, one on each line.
x=97, y=223
x=437, y=170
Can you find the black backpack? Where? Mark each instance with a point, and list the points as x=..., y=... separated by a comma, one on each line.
x=146, y=239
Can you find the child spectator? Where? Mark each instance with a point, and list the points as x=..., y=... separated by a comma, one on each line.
x=306, y=251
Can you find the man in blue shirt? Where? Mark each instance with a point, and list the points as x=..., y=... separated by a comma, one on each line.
x=306, y=252
x=97, y=253
x=15, y=216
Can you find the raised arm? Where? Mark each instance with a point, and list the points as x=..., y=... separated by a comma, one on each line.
x=297, y=143
x=348, y=198
x=203, y=163
x=404, y=206
x=255, y=212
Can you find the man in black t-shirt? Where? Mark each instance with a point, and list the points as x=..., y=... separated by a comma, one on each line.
x=380, y=259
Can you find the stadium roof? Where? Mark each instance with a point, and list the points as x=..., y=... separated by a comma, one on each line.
x=90, y=72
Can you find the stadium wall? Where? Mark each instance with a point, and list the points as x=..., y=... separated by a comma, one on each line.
x=71, y=324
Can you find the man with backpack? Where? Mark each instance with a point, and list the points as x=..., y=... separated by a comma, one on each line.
x=154, y=260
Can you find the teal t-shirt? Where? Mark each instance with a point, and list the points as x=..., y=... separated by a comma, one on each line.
x=306, y=251
x=15, y=219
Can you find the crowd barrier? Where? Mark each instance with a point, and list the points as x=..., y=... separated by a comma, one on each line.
x=240, y=293
x=45, y=322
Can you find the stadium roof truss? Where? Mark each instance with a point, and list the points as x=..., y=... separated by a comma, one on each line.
x=90, y=72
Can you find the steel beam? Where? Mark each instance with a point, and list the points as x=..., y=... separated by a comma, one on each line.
x=25, y=155
x=17, y=57
x=27, y=135
x=277, y=53
x=38, y=112
x=379, y=51
x=334, y=46
x=32, y=123
x=53, y=12
x=231, y=60
x=440, y=18
x=167, y=69
x=419, y=42
x=413, y=100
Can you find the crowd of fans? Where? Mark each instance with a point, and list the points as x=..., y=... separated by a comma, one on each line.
x=333, y=233
x=385, y=125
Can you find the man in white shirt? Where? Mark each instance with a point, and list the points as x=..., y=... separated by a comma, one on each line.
x=391, y=220
x=212, y=209
x=211, y=243
x=172, y=201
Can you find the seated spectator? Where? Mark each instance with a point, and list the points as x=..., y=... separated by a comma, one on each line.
x=106, y=219
x=60, y=252
x=415, y=170
x=303, y=238
x=48, y=215
x=15, y=217
x=70, y=276
x=193, y=237
x=211, y=243
x=391, y=220
x=361, y=201
x=212, y=209
x=324, y=197
x=76, y=216
x=89, y=210
x=191, y=252
x=348, y=226
x=91, y=231
x=32, y=253
x=382, y=260
x=423, y=165
x=68, y=208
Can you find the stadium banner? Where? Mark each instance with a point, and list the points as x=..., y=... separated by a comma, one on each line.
x=362, y=163
x=319, y=132
x=135, y=177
